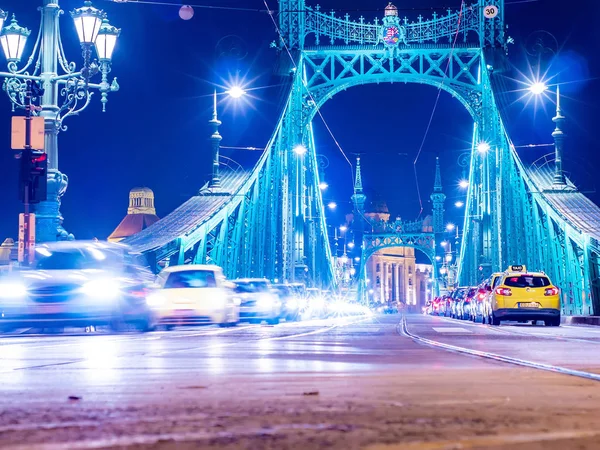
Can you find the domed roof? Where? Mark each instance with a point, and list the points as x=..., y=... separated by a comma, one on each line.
x=378, y=206
x=391, y=10
x=141, y=190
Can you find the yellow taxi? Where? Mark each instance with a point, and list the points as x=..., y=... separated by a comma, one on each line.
x=520, y=295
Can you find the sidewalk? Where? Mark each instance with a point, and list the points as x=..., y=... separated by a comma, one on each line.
x=581, y=320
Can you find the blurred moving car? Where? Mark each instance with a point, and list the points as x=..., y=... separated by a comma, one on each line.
x=78, y=284
x=194, y=295
x=257, y=301
x=290, y=301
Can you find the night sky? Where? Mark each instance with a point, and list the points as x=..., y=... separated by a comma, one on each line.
x=155, y=130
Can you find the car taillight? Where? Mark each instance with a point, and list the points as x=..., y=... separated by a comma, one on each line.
x=551, y=291
x=140, y=293
x=503, y=291
x=480, y=297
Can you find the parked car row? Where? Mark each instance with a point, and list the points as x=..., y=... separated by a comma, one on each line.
x=512, y=295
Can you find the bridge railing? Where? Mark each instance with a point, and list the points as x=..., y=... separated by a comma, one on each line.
x=440, y=27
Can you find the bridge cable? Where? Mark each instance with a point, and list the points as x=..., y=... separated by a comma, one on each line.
x=460, y=13
x=271, y=12
x=305, y=84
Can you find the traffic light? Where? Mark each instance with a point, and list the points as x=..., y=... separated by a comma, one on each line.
x=34, y=168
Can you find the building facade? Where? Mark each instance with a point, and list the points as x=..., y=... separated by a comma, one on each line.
x=140, y=214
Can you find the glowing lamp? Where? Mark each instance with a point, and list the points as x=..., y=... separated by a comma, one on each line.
x=300, y=150
x=87, y=21
x=483, y=147
x=13, y=39
x=106, y=41
x=236, y=92
x=538, y=88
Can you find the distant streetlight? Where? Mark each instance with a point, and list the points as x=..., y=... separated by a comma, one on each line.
x=443, y=244
x=357, y=259
x=450, y=227
x=323, y=185
x=483, y=147
x=463, y=184
x=235, y=92
x=300, y=150
x=459, y=204
x=332, y=205
x=537, y=88
x=438, y=258
x=351, y=245
x=343, y=228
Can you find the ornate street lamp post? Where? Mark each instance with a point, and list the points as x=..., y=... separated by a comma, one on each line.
x=65, y=94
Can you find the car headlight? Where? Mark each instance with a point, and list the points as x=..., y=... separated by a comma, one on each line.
x=155, y=300
x=101, y=289
x=292, y=304
x=12, y=290
x=265, y=301
x=318, y=303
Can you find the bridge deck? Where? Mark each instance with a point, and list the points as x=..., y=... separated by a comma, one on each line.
x=574, y=206
x=189, y=216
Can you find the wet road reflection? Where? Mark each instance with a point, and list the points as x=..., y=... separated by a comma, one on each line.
x=267, y=380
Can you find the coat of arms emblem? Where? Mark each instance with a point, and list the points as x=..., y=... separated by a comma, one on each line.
x=392, y=33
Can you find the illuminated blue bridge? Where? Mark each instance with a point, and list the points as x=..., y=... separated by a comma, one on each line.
x=270, y=221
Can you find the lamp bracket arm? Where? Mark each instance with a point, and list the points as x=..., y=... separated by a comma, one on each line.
x=64, y=78
x=20, y=76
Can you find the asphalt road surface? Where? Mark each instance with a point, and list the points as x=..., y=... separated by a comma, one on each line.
x=380, y=382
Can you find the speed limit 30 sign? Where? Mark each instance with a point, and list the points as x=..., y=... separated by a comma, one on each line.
x=490, y=11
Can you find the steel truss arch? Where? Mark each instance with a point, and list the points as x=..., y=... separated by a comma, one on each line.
x=333, y=71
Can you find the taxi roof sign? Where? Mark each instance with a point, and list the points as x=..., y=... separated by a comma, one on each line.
x=517, y=268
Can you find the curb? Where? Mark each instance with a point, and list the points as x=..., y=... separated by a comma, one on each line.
x=581, y=320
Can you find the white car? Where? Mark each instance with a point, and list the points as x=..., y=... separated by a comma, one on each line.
x=257, y=301
x=78, y=284
x=193, y=295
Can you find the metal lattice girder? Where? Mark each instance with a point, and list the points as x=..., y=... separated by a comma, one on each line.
x=332, y=70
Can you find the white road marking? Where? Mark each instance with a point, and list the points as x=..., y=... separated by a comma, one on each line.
x=451, y=330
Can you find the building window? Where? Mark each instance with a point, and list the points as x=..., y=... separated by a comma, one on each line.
x=378, y=280
x=410, y=281
x=409, y=269
x=378, y=268
x=389, y=269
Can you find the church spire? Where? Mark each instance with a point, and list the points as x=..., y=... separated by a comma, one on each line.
x=437, y=186
x=358, y=198
x=358, y=187
x=438, y=198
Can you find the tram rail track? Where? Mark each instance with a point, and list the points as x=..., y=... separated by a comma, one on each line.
x=402, y=329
